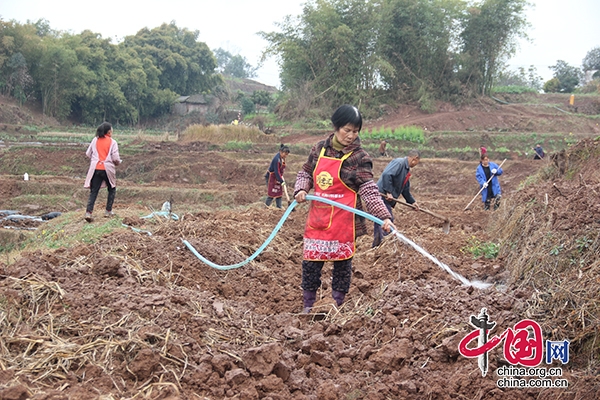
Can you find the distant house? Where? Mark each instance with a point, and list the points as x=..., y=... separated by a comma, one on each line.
x=196, y=103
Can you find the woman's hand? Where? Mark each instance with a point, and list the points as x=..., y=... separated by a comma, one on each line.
x=301, y=196
x=387, y=225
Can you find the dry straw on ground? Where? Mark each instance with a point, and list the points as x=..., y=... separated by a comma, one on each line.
x=551, y=243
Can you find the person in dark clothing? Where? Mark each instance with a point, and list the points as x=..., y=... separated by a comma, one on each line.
x=274, y=176
x=485, y=171
x=393, y=182
x=338, y=168
x=539, y=152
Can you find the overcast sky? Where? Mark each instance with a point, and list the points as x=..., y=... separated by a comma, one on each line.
x=561, y=30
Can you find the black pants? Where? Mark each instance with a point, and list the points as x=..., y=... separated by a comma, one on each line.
x=342, y=275
x=270, y=200
x=378, y=232
x=99, y=177
x=488, y=203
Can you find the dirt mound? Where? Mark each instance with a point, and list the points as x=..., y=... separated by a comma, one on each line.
x=544, y=115
x=554, y=225
x=13, y=116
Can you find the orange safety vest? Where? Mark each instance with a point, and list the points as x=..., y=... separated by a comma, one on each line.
x=330, y=231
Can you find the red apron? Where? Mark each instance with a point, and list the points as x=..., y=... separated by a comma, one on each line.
x=329, y=232
x=274, y=188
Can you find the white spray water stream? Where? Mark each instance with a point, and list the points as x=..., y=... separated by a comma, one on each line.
x=465, y=281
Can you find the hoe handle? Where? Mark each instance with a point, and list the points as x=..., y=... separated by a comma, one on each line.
x=445, y=219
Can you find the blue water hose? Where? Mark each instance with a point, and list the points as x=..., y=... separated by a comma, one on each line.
x=463, y=280
x=277, y=228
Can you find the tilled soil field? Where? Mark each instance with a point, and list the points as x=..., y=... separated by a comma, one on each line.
x=136, y=315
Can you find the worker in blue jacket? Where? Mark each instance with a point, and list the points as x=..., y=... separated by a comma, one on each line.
x=393, y=182
x=485, y=171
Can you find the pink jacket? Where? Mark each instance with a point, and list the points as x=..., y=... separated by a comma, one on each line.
x=112, y=160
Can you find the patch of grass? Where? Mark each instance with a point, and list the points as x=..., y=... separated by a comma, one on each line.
x=66, y=231
x=530, y=180
x=237, y=145
x=70, y=229
x=479, y=249
x=412, y=134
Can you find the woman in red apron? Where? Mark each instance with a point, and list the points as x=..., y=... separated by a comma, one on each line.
x=338, y=169
x=274, y=176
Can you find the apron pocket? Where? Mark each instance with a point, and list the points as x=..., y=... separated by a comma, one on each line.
x=321, y=216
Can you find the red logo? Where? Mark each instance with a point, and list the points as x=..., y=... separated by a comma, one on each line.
x=523, y=344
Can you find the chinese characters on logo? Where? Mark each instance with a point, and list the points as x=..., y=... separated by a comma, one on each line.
x=523, y=344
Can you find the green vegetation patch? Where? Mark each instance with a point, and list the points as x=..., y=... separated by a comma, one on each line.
x=411, y=134
x=480, y=249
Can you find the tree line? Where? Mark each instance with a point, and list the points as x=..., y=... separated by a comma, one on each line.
x=359, y=50
x=87, y=78
x=364, y=52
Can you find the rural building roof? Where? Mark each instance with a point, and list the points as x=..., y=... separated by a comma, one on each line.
x=194, y=99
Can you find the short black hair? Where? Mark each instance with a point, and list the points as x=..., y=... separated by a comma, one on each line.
x=284, y=149
x=345, y=115
x=103, y=129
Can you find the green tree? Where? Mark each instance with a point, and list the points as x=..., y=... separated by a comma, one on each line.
x=60, y=80
x=591, y=62
x=568, y=76
x=329, y=53
x=19, y=83
x=416, y=40
x=552, y=86
x=248, y=106
x=234, y=65
x=261, y=97
x=526, y=78
x=18, y=56
x=186, y=65
x=490, y=31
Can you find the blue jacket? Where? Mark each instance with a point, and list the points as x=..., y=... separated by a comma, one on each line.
x=480, y=176
x=393, y=180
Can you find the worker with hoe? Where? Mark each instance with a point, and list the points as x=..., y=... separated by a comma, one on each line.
x=393, y=182
x=488, y=171
x=274, y=176
x=338, y=169
x=539, y=152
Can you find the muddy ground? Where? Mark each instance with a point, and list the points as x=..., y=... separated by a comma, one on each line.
x=138, y=316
